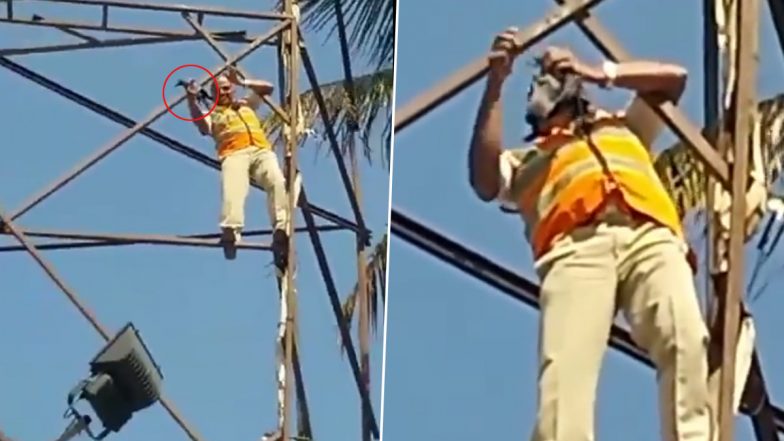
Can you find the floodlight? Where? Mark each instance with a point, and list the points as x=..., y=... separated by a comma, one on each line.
x=124, y=379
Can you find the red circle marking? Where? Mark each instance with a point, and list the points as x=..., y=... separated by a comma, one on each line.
x=214, y=104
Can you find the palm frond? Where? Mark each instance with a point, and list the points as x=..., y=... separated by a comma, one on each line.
x=373, y=96
x=375, y=277
x=684, y=175
x=370, y=25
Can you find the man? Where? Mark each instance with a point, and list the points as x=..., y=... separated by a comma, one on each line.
x=605, y=236
x=244, y=153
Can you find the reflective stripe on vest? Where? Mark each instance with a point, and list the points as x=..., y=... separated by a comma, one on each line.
x=555, y=185
x=236, y=129
x=566, y=167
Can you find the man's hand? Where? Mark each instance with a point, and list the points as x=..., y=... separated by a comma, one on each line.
x=192, y=89
x=235, y=76
x=503, y=52
x=558, y=60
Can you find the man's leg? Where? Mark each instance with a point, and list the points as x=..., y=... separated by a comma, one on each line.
x=235, y=172
x=577, y=308
x=658, y=296
x=267, y=173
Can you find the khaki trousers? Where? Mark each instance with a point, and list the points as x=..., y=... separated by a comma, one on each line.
x=236, y=171
x=586, y=278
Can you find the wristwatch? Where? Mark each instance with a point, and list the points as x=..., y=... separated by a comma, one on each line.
x=610, y=71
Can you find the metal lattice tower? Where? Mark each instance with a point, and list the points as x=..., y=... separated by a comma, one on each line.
x=286, y=36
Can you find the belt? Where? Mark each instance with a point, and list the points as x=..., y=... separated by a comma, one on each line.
x=615, y=211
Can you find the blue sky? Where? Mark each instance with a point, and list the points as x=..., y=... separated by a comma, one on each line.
x=210, y=323
x=461, y=359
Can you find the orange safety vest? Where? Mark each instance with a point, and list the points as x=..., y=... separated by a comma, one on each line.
x=564, y=185
x=236, y=129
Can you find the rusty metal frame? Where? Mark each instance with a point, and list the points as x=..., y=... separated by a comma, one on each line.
x=732, y=176
x=286, y=22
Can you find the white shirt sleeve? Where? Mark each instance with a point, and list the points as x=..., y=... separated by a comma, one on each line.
x=207, y=120
x=643, y=121
x=253, y=100
x=507, y=164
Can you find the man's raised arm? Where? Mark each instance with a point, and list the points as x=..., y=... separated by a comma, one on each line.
x=486, y=141
x=202, y=124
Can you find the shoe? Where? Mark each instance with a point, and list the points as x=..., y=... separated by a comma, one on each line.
x=229, y=239
x=280, y=249
x=272, y=436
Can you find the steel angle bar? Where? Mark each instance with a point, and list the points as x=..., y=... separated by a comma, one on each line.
x=127, y=135
x=87, y=314
x=777, y=15
x=329, y=127
x=508, y=282
x=669, y=113
x=214, y=45
x=711, y=99
x=63, y=246
x=147, y=239
x=334, y=300
x=77, y=34
x=288, y=299
x=473, y=72
x=206, y=10
x=77, y=241
x=233, y=36
x=166, y=141
x=113, y=43
x=743, y=103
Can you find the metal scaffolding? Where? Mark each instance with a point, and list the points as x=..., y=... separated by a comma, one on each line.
x=768, y=420
x=285, y=35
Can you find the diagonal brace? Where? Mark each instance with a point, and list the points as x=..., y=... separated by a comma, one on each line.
x=334, y=300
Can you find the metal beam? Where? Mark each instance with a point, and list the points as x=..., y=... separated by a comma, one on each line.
x=334, y=301
x=89, y=316
x=113, y=242
x=99, y=44
x=233, y=36
x=473, y=72
x=777, y=15
x=743, y=104
x=206, y=10
x=127, y=135
x=289, y=44
x=329, y=128
x=153, y=134
x=147, y=239
x=711, y=109
x=519, y=288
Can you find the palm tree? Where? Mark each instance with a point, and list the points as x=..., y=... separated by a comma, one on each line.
x=685, y=177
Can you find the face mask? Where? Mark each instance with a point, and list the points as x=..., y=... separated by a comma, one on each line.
x=545, y=94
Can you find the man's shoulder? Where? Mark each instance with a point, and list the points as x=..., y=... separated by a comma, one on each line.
x=520, y=155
